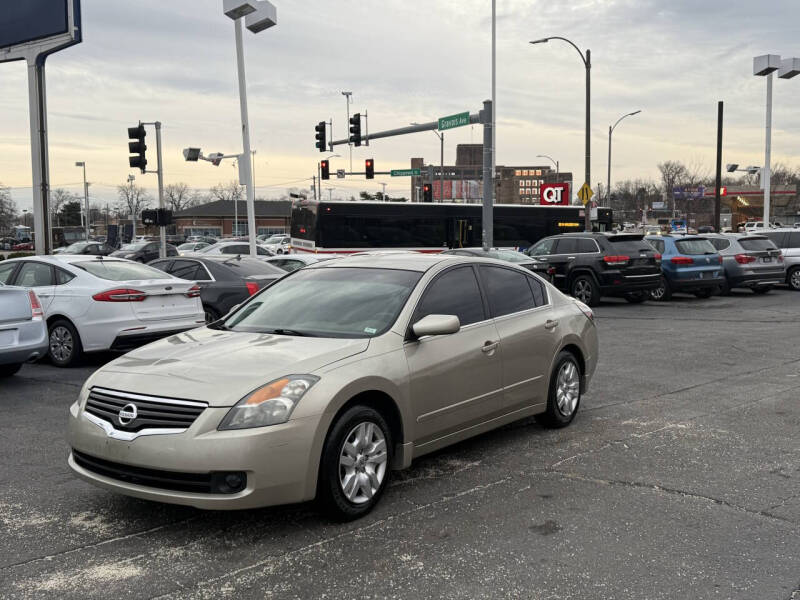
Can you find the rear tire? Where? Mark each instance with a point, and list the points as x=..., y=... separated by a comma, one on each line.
x=793, y=278
x=584, y=288
x=564, y=396
x=762, y=289
x=663, y=292
x=725, y=288
x=65, y=348
x=9, y=370
x=704, y=293
x=356, y=464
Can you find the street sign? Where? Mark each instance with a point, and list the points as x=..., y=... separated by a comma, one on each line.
x=585, y=193
x=452, y=121
x=339, y=173
x=405, y=172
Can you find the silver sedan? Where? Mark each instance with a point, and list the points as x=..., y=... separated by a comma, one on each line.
x=23, y=332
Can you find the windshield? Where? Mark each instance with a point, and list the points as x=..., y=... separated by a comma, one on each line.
x=335, y=302
x=692, y=247
x=75, y=248
x=134, y=247
x=116, y=270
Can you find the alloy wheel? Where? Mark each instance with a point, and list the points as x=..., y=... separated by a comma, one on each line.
x=582, y=291
x=362, y=462
x=794, y=279
x=61, y=343
x=567, y=388
x=658, y=293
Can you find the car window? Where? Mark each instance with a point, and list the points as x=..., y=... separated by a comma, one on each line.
x=293, y=265
x=539, y=293
x=543, y=247
x=659, y=245
x=160, y=264
x=793, y=240
x=236, y=249
x=34, y=274
x=63, y=276
x=694, y=247
x=757, y=244
x=566, y=246
x=6, y=271
x=116, y=270
x=587, y=246
x=455, y=292
x=626, y=244
x=508, y=290
x=186, y=269
x=777, y=237
x=720, y=243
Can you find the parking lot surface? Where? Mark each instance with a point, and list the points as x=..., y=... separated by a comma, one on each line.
x=679, y=478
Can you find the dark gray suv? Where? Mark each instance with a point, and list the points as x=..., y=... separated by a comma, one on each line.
x=750, y=261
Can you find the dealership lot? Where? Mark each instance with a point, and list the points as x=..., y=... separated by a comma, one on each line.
x=679, y=478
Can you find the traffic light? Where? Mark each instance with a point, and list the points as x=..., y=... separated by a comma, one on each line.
x=149, y=217
x=427, y=193
x=325, y=168
x=355, y=129
x=369, y=168
x=138, y=147
x=320, y=129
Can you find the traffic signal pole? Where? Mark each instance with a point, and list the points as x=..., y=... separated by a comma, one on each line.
x=162, y=252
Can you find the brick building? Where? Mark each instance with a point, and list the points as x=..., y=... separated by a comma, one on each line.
x=217, y=218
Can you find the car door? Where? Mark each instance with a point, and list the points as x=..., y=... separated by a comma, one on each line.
x=528, y=330
x=39, y=277
x=564, y=252
x=454, y=380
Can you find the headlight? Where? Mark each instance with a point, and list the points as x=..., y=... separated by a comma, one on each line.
x=270, y=404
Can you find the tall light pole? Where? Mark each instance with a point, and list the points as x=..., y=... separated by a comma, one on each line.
x=347, y=96
x=258, y=16
x=766, y=65
x=85, y=196
x=555, y=162
x=587, y=62
x=610, y=131
x=131, y=179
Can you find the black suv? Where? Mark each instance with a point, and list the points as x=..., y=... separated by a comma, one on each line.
x=590, y=265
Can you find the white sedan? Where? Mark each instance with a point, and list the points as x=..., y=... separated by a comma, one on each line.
x=94, y=303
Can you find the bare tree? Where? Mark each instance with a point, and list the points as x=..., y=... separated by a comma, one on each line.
x=58, y=198
x=227, y=191
x=8, y=208
x=180, y=196
x=673, y=172
x=132, y=199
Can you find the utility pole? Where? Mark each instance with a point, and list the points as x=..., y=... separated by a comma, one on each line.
x=85, y=197
x=131, y=179
x=718, y=181
x=487, y=220
x=347, y=96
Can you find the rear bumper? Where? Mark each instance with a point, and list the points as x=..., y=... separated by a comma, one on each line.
x=617, y=284
x=772, y=277
x=31, y=344
x=688, y=285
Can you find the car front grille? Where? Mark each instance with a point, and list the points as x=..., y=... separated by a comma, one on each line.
x=226, y=482
x=151, y=412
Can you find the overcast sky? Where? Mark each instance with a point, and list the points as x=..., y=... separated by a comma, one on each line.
x=408, y=61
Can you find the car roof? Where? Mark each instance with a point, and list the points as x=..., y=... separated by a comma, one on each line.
x=408, y=261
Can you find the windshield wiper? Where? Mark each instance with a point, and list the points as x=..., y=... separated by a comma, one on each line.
x=287, y=332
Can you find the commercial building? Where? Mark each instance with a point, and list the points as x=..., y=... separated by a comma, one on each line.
x=217, y=218
x=463, y=182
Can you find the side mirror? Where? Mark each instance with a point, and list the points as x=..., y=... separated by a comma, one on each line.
x=436, y=325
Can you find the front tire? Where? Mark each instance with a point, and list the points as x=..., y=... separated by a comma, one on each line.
x=564, y=396
x=65, y=349
x=584, y=288
x=356, y=463
x=762, y=289
x=704, y=293
x=636, y=297
x=793, y=279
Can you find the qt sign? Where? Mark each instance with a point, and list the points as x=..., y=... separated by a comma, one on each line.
x=554, y=194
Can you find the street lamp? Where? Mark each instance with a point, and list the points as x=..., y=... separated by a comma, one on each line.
x=587, y=62
x=258, y=16
x=440, y=135
x=610, y=131
x=319, y=175
x=766, y=65
x=85, y=196
x=555, y=162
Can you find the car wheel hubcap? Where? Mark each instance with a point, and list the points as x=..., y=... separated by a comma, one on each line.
x=582, y=291
x=362, y=462
x=61, y=343
x=795, y=280
x=658, y=293
x=568, y=388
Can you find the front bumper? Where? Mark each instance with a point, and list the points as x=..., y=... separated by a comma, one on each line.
x=277, y=460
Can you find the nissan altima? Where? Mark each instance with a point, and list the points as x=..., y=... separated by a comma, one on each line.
x=323, y=383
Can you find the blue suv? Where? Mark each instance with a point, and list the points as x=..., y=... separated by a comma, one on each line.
x=688, y=264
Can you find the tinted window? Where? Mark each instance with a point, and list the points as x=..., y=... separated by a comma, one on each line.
x=186, y=269
x=658, y=245
x=508, y=290
x=694, y=247
x=33, y=274
x=6, y=271
x=116, y=270
x=539, y=294
x=586, y=246
x=794, y=240
x=380, y=232
x=777, y=237
x=543, y=247
x=623, y=244
x=63, y=276
x=720, y=243
x=242, y=267
x=757, y=244
x=455, y=292
x=566, y=246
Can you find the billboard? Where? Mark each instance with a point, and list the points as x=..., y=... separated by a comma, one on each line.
x=554, y=194
x=32, y=20
x=457, y=190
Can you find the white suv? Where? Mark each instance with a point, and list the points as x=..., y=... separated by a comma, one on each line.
x=788, y=240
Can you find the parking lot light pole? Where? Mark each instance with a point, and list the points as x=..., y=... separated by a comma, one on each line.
x=610, y=131
x=587, y=63
x=555, y=162
x=85, y=196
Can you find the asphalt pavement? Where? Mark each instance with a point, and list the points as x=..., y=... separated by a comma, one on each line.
x=679, y=479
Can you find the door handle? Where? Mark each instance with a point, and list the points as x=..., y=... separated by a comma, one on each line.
x=570, y=258
x=550, y=324
x=489, y=346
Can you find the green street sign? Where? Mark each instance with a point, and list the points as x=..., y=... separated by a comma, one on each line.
x=452, y=121
x=405, y=172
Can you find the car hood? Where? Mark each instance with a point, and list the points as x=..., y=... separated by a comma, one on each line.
x=220, y=367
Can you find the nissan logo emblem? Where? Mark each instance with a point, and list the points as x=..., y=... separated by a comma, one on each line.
x=127, y=414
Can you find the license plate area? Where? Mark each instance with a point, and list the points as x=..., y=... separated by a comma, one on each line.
x=8, y=338
x=766, y=259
